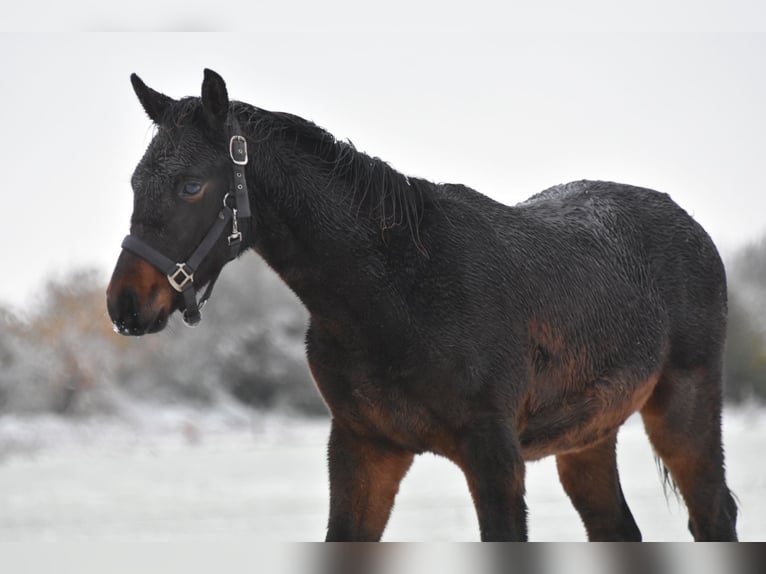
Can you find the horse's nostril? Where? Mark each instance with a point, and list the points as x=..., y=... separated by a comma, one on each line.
x=125, y=313
x=127, y=303
x=131, y=316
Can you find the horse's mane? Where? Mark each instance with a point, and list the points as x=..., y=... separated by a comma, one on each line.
x=390, y=196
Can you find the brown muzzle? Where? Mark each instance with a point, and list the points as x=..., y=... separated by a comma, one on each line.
x=139, y=298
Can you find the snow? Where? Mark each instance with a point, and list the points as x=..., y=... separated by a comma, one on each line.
x=182, y=475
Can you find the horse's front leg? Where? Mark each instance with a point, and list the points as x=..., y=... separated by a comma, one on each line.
x=490, y=457
x=364, y=478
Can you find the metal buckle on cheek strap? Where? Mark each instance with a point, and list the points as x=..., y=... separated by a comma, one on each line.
x=186, y=277
x=238, y=150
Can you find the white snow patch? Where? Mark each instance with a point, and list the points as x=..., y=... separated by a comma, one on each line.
x=186, y=475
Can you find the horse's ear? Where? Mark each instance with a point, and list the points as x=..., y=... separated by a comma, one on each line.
x=215, y=98
x=155, y=104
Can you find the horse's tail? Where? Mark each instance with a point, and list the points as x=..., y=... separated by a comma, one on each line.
x=668, y=484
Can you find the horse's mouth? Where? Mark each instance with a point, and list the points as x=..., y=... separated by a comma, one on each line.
x=132, y=318
x=134, y=327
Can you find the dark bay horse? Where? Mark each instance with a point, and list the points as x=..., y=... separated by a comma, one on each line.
x=443, y=321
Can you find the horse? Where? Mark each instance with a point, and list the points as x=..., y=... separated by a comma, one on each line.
x=442, y=321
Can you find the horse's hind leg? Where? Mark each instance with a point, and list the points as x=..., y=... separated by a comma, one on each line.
x=683, y=421
x=591, y=480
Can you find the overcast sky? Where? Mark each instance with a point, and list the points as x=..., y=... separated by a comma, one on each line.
x=442, y=94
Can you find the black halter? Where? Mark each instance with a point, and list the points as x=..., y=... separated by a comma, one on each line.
x=181, y=275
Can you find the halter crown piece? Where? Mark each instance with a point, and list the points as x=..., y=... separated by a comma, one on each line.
x=181, y=275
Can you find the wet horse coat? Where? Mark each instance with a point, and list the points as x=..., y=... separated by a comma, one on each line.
x=443, y=321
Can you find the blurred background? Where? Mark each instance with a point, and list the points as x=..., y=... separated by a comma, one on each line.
x=218, y=432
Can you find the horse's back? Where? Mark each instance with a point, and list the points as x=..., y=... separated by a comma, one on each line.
x=600, y=259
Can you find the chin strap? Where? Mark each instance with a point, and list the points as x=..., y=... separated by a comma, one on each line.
x=181, y=275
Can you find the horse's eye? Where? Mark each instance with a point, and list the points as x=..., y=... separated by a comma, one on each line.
x=191, y=188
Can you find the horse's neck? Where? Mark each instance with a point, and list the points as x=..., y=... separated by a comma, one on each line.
x=313, y=239
x=326, y=215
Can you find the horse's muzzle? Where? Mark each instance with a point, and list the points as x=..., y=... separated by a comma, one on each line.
x=139, y=298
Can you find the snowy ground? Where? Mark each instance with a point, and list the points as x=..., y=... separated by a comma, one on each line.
x=185, y=476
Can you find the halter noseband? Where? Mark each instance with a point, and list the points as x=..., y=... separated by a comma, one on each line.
x=181, y=275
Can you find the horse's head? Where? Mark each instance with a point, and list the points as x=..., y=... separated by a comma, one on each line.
x=180, y=222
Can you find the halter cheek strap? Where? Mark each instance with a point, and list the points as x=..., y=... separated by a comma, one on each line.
x=238, y=155
x=181, y=275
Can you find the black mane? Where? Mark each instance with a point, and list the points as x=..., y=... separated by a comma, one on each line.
x=388, y=195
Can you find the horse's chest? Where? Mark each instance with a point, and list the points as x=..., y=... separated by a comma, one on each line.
x=379, y=408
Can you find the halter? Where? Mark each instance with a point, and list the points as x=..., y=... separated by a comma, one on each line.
x=181, y=275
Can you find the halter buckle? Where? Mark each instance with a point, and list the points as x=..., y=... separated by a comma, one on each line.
x=186, y=277
x=238, y=150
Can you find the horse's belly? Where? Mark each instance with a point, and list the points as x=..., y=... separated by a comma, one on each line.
x=576, y=422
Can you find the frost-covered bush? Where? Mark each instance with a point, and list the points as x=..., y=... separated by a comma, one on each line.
x=58, y=358
x=64, y=357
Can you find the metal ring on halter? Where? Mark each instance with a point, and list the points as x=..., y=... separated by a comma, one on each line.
x=225, y=197
x=185, y=276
